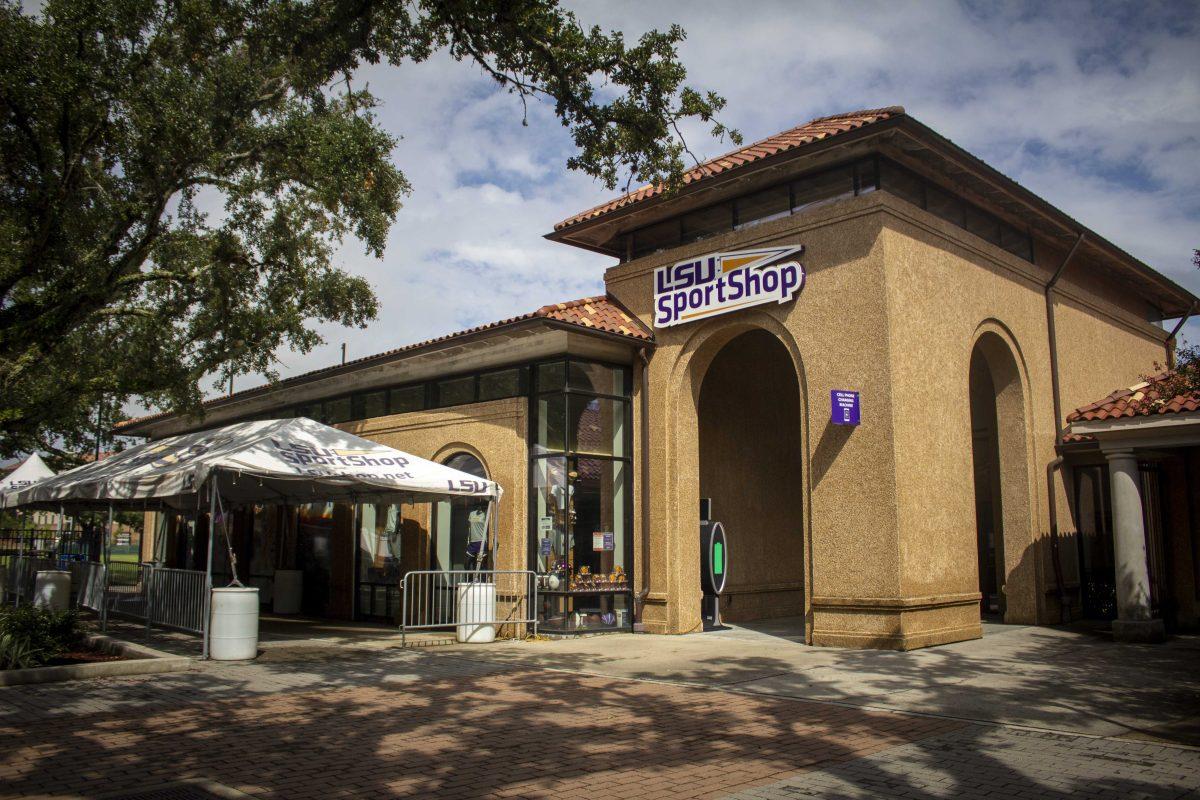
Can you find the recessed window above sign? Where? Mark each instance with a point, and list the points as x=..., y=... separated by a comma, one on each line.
x=722, y=282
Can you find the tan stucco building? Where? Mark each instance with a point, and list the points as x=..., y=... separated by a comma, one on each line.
x=961, y=315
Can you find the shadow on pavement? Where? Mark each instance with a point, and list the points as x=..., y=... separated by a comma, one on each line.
x=405, y=723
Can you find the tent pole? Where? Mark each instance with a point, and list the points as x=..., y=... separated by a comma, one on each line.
x=208, y=581
x=493, y=524
x=107, y=566
x=21, y=518
x=59, y=543
x=354, y=540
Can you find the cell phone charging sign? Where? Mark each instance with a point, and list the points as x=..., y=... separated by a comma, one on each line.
x=845, y=408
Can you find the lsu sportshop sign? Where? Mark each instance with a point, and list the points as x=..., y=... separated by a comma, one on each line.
x=722, y=282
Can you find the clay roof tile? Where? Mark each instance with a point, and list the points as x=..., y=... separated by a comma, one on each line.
x=811, y=131
x=1143, y=399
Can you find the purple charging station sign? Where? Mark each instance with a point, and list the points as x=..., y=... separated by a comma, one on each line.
x=844, y=407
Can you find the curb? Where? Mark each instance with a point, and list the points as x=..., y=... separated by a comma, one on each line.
x=142, y=661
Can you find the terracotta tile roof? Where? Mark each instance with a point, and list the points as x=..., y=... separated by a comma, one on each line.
x=812, y=131
x=1141, y=400
x=599, y=313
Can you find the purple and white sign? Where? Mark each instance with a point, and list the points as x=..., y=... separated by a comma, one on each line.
x=722, y=282
x=845, y=408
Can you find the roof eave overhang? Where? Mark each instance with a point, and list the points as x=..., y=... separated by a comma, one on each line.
x=569, y=233
x=1068, y=225
x=147, y=426
x=1173, y=299
x=1177, y=429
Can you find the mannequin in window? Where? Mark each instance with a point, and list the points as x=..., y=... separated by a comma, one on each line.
x=476, y=537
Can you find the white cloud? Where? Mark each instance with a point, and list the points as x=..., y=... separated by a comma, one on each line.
x=1097, y=112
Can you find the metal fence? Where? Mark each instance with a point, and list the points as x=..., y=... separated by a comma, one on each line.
x=433, y=599
x=175, y=598
x=87, y=584
x=170, y=598
x=20, y=575
x=64, y=547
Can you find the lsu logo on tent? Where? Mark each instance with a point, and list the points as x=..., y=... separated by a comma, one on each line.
x=301, y=454
x=722, y=282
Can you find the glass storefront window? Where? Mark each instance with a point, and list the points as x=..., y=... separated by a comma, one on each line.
x=551, y=423
x=456, y=391
x=583, y=542
x=653, y=238
x=866, y=176
x=902, y=183
x=369, y=405
x=552, y=377
x=580, y=541
x=337, y=410
x=945, y=205
x=982, y=224
x=552, y=511
x=763, y=207
x=599, y=498
x=379, y=561
x=405, y=399
x=597, y=426
x=498, y=385
x=1018, y=243
x=312, y=411
x=459, y=524
x=598, y=378
x=706, y=222
x=817, y=190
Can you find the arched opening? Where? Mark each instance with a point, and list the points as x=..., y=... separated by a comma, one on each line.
x=999, y=453
x=459, y=524
x=750, y=465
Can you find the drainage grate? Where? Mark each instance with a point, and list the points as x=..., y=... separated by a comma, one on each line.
x=185, y=790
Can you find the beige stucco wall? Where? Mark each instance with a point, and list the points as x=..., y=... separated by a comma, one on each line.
x=894, y=302
x=495, y=432
x=835, y=333
x=947, y=289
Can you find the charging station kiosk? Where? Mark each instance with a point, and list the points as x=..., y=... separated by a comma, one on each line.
x=714, y=566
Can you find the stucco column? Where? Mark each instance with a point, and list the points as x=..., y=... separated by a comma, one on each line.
x=1133, y=623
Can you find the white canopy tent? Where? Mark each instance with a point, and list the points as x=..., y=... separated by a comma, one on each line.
x=270, y=461
x=284, y=462
x=32, y=470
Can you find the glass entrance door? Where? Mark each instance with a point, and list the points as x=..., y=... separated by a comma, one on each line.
x=380, y=562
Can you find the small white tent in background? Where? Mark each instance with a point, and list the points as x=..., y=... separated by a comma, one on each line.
x=32, y=470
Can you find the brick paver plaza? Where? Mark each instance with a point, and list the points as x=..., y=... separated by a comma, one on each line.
x=419, y=723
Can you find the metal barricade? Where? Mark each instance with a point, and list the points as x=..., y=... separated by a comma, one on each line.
x=87, y=584
x=125, y=592
x=21, y=577
x=175, y=598
x=431, y=600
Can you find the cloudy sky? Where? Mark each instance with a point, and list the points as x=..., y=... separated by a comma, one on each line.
x=1092, y=106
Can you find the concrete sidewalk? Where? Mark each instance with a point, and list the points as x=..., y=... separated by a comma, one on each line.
x=427, y=722
x=1069, y=679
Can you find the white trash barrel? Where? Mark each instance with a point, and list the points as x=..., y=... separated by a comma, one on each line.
x=233, y=630
x=476, y=607
x=52, y=589
x=288, y=590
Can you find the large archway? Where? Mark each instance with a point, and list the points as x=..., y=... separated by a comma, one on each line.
x=999, y=454
x=750, y=465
